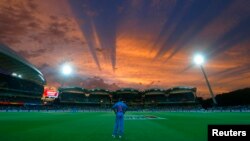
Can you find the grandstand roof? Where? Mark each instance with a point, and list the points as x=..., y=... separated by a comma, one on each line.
x=127, y=90
x=155, y=91
x=72, y=89
x=181, y=89
x=99, y=91
x=13, y=64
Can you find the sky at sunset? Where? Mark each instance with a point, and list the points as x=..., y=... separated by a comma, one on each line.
x=132, y=43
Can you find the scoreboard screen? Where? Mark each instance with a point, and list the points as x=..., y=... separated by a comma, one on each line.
x=50, y=92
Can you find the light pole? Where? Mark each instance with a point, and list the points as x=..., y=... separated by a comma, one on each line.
x=199, y=60
x=66, y=71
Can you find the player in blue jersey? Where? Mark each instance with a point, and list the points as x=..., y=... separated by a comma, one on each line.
x=119, y=108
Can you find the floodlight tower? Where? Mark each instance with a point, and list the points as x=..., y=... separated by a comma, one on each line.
x=66, y=71
x=199, y=60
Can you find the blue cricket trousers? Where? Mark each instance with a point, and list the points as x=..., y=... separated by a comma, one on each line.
x=119, y=124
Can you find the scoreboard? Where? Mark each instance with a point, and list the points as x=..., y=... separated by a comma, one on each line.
x=50, y=92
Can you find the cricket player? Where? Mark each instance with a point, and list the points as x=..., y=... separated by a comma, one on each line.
x=119, y=108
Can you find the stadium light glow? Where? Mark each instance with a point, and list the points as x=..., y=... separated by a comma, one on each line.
x=198, y=59
x=66, y=69
x=14, y=74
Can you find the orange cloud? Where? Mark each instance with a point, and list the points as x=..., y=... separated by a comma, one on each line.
x=47, y=33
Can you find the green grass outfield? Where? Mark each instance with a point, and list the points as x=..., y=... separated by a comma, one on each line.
x=98, y=126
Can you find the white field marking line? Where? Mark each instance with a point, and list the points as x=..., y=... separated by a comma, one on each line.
x=141, y=117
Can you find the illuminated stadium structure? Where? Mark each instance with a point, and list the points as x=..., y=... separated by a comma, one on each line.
x=182, y=94
x=155, y=96
x=13, y=64
x=100, y=95
x=84, y=97
x=133, y=97
x=20, y=81
x=72, y=95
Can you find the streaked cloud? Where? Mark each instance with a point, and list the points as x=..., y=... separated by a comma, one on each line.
x=132, y=43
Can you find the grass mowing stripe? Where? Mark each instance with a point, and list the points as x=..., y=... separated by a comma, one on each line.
x=98, y=126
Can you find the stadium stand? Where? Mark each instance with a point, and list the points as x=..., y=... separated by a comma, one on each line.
x=21, y=83
x=77, y=96
x=170, y=99
x=132, y=97
x=101, y=96
x=182, y=95
x=177, y=97
x=154, y=96
x=73, y=95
